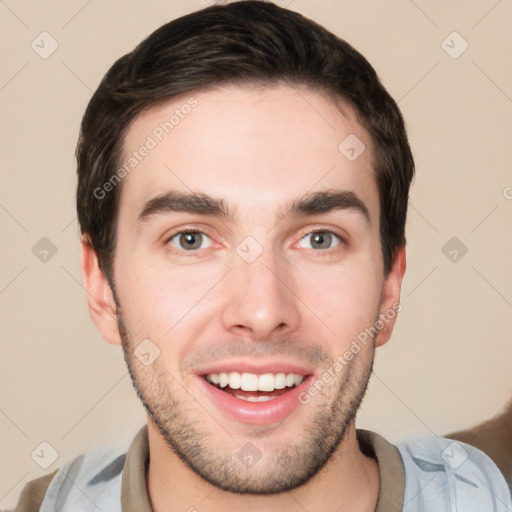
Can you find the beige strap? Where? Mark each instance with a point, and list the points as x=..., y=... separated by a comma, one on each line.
x=32, y=494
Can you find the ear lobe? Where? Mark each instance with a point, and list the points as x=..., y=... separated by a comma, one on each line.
x=390, y=304
x=100, y=300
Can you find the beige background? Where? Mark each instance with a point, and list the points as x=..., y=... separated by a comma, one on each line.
x=448, y=363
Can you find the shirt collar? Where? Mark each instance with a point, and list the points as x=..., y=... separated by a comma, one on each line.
x=134, y=494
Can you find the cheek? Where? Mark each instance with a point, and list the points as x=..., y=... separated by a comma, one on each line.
x=346, y=298
x=159, y=298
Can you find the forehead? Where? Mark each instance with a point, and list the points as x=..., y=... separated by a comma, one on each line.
x=257, y=147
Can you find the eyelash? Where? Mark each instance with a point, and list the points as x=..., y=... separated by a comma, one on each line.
x=326, y=252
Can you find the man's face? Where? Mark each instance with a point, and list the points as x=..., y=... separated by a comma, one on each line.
x=253, y=294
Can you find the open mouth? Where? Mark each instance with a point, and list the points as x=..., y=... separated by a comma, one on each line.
x=253, y=387
x=257, y=395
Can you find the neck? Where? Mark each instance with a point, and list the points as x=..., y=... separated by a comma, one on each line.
x=348, y=482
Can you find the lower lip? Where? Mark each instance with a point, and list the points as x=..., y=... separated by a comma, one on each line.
x=256, y=413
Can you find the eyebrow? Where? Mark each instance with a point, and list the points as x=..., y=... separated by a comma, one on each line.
x=313, y=203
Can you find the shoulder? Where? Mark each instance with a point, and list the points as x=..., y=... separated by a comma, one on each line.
x=93, y=477
x=494, y=438
x=441, y=473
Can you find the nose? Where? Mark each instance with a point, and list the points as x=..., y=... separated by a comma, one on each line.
x=260, y=299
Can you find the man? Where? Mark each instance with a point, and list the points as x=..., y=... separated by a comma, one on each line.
x=242, y=192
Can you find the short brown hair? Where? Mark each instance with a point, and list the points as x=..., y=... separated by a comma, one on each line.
x=243, y=42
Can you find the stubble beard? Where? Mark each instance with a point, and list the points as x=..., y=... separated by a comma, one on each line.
x=174, y=413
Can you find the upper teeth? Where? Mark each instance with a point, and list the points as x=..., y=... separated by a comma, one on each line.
x=253, y=382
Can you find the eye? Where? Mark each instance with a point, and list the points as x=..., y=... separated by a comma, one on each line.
x=189, y=240
x=322, y=239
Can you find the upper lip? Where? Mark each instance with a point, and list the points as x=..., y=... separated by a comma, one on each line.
x=252, y=366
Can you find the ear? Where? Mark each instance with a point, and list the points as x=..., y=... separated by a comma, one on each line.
x=390, y=304
x=100, y=299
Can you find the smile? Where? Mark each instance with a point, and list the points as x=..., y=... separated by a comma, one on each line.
x=254, y=394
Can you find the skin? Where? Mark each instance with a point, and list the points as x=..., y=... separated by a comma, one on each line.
x=256, y=148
